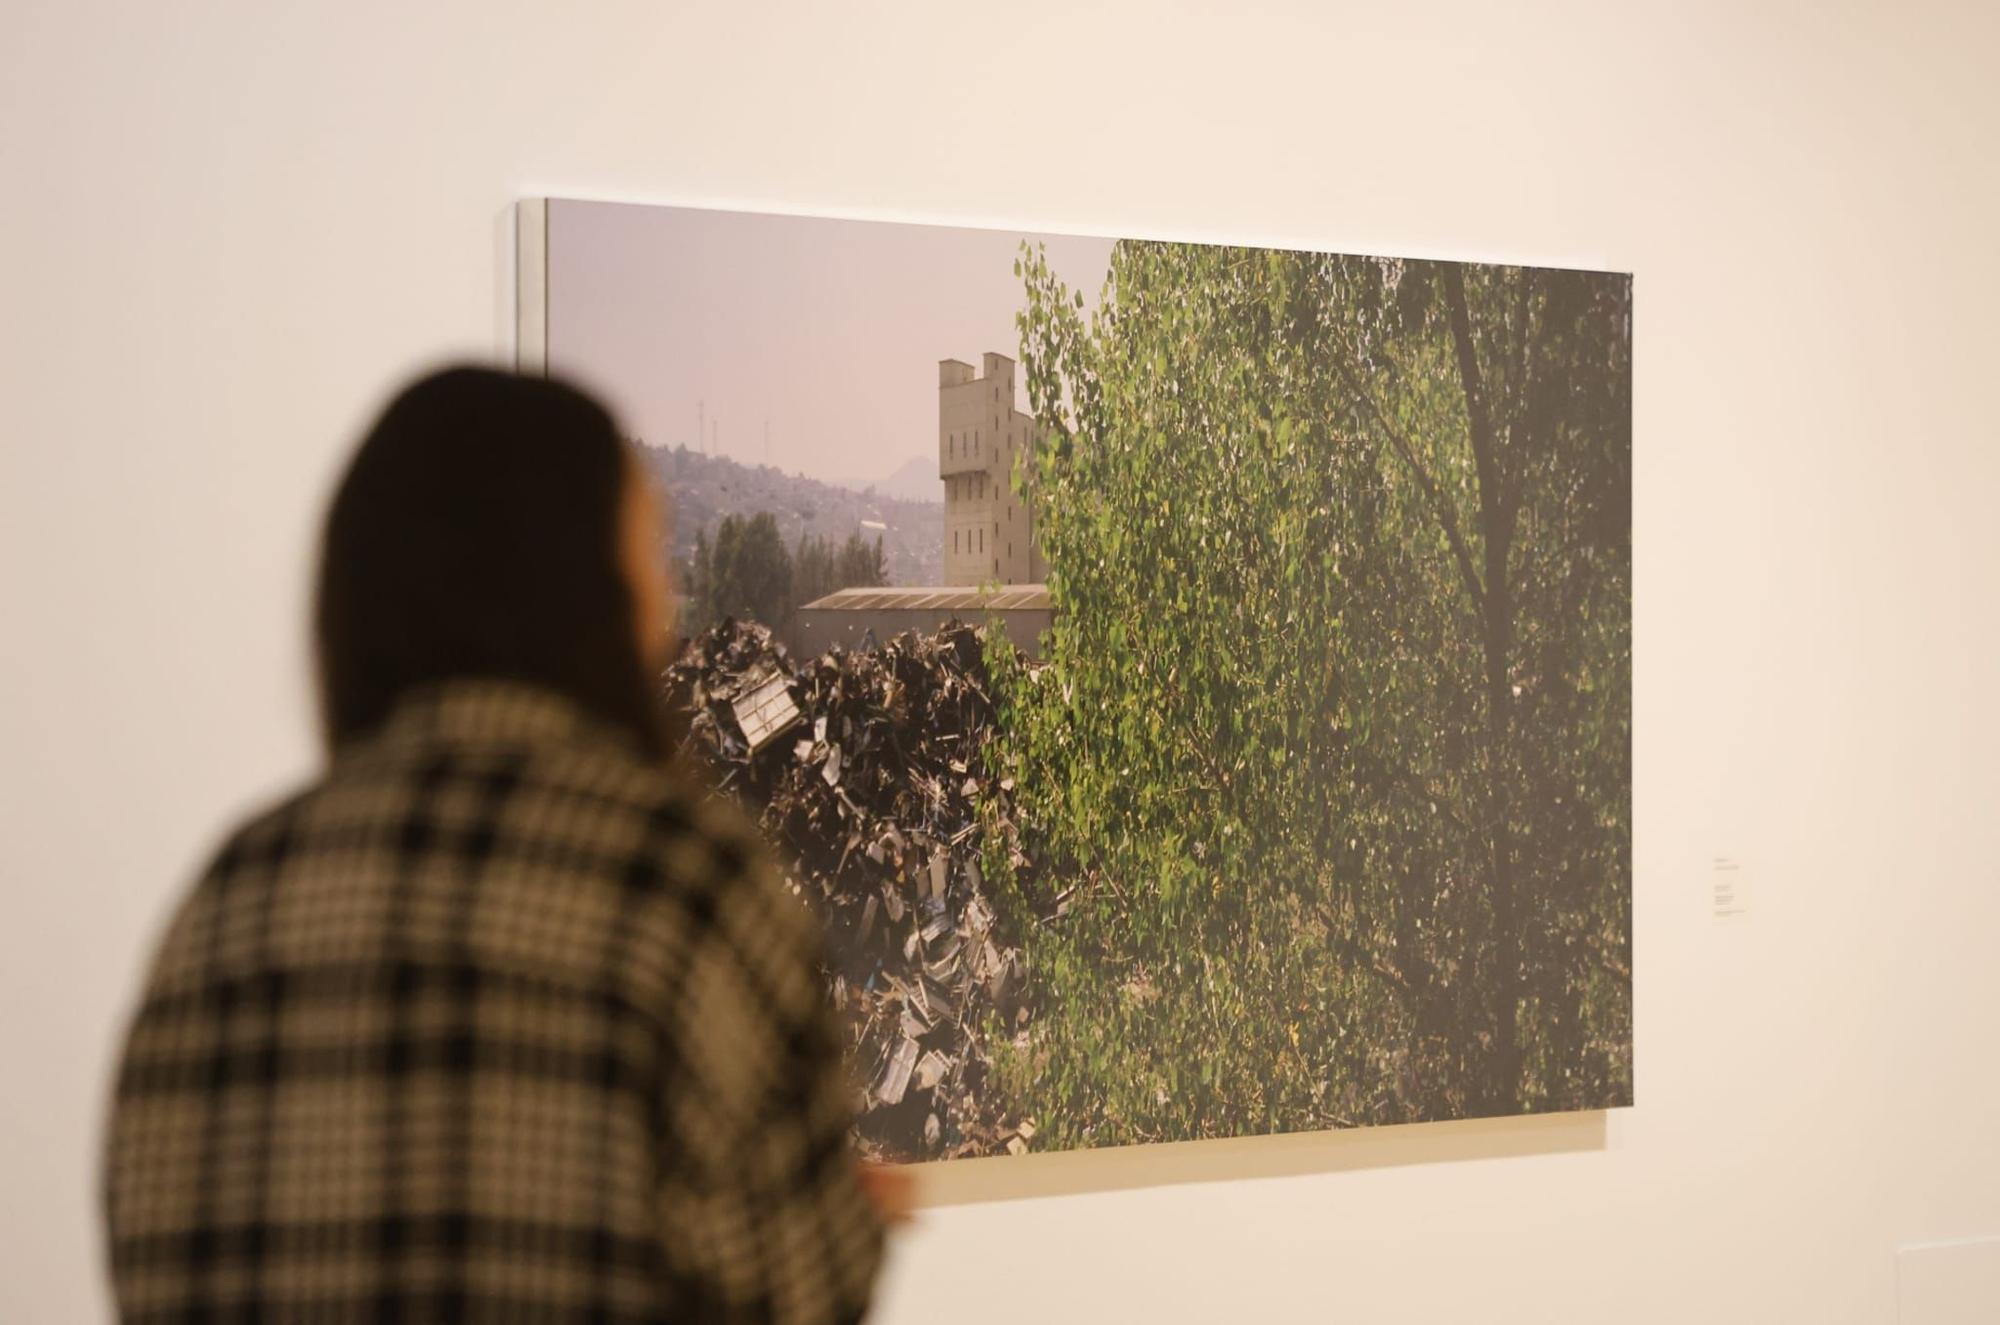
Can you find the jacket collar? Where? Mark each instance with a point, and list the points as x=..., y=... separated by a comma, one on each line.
x=486, y=711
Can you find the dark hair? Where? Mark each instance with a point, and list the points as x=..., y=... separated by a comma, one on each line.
x=476, y=534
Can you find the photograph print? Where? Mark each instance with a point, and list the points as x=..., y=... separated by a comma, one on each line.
x=1189, y=684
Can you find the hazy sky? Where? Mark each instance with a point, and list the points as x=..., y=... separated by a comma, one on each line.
x=830, y=331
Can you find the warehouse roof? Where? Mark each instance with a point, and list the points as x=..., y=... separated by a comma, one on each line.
x=937, y=598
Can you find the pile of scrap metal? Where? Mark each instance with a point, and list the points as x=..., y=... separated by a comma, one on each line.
x=867, y=771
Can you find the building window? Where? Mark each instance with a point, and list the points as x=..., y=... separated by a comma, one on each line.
x=954, y=540
x=982, y=540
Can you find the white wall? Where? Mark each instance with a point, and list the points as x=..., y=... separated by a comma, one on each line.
x=227, y=228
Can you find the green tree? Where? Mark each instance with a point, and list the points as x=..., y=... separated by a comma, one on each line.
x=745, y=573
x=812, y=569
x=861, y=564
x=693, y=580
x=819, y=568
x=1332, y=745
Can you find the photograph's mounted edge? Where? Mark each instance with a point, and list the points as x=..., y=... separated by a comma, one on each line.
x=1092, y=1171
x=531, y=286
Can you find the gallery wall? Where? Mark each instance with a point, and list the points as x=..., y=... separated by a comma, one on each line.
x=228, y=228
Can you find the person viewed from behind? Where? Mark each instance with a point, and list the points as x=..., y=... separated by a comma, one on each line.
x=499, y=1020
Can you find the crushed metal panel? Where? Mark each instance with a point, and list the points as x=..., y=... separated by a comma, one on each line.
x=895, y=1077
x=930, y=1070
x=765, y=710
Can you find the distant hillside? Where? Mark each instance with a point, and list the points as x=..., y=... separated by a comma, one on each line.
x=916, y=479
x=705, y=488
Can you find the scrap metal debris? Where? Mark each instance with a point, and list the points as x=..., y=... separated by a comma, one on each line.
x=884, y=811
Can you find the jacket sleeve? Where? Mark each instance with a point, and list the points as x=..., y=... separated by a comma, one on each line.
x=762, y=1213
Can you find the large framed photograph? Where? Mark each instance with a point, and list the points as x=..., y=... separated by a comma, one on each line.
x=1190, y=684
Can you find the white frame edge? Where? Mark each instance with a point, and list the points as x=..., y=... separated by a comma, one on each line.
x=531, y=287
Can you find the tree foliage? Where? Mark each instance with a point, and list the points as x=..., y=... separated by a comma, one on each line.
x=745, y=572
x=820, y=567
x=1332, y=745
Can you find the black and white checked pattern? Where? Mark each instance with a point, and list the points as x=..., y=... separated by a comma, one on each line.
x=496, y=1023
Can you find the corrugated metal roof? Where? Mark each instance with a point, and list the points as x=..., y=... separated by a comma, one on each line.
x=936, y=598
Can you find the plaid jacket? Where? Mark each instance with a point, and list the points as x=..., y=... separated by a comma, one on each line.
x=497, y=1022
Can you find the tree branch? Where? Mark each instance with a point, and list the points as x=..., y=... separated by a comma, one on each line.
x=1524, y=368
x=1428, y=485
x=1478, y=422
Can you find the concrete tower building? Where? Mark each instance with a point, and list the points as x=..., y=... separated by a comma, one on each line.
x=993, y=573
x=988, y=529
